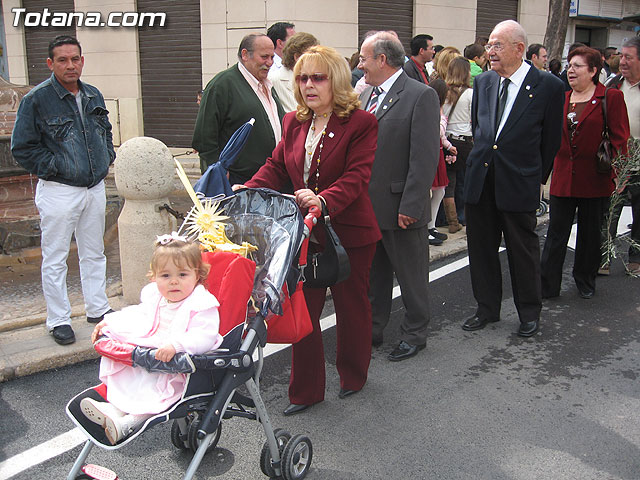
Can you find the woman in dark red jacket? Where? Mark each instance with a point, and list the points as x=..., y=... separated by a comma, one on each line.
x=326, y=152
x=576, y=183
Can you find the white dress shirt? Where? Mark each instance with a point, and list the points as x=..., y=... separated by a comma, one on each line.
x=517, y=79
x=263, y=91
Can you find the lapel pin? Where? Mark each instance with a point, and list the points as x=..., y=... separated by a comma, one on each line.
x=330, y=134
x=384, y=107
x=593, y=101
x=528, y=87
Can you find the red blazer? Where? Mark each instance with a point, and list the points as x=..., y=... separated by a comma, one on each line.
x=574, y=168
x=345, y=169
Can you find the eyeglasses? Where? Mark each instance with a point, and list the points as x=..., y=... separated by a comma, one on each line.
x=498, y=47
x=314, y=77
x=575, y=66
x=364, y=59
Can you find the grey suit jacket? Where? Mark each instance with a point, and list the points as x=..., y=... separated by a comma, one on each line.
x=408, y=152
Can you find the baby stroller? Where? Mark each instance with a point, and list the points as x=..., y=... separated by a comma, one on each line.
x=273, y=223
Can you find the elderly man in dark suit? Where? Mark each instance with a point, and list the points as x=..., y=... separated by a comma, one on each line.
x=405, y=164
x=516, y=117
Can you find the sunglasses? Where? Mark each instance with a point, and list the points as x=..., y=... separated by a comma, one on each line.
x=314, y=77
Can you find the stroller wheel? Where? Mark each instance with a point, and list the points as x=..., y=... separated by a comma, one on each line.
x=296, y=458
x=192, y=435
x=542, y=208
x=282, y=437
x=179, y=434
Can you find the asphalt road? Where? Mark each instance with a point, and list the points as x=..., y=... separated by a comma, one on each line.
x=473, y=405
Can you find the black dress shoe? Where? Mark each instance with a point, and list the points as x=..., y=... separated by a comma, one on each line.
x=476, y=323
x=98, y=319
x=292, y=409
x=346, y=393
x=63, y=334
x=405, y=350
x=436, y=242
x=586, y=294
x=527, y=329
x=434, y=232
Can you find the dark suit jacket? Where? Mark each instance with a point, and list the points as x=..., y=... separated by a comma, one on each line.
x=227, y=103
x=412, y=70
x=523, y=154
x=345, y=169
x=408, y=152
x=574, y=169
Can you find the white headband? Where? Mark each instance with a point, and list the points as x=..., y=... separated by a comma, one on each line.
x=166, y=239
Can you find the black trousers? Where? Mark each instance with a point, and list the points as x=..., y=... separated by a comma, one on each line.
x=485, y=227
x=587, y=258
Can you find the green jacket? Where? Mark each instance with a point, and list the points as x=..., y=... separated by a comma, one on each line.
x=227, y=103
x=475, y=70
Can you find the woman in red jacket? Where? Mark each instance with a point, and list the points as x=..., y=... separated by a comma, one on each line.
x=576, y=183
x=326, y=152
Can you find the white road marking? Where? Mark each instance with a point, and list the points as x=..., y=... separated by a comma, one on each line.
x=41, y=453
x=626, y=218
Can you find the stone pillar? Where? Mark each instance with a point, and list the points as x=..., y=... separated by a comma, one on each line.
x=144, y=172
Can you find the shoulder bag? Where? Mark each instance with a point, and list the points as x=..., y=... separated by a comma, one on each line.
x=330, y=266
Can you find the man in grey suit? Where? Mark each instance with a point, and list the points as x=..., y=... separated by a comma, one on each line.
x=406, y=159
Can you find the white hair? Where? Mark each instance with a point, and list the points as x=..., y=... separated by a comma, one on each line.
x=515, y=30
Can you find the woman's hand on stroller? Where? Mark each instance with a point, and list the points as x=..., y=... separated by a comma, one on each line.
x=97, y=331
x=237, y=186
x=166, y=353
x=305, y=198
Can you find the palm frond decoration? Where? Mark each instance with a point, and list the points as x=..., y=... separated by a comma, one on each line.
x=206, y=222
x=627, y=168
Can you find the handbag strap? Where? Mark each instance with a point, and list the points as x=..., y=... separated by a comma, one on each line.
x=325, y=214
x=605, y=130
x=453, y=107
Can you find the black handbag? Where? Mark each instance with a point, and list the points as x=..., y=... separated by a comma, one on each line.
x=604, y=155
x=330, y=266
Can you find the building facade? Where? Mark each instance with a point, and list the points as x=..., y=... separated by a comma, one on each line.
x=150, y=75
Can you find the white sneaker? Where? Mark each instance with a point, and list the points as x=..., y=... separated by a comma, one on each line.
x=117, y=428
x=98, y=412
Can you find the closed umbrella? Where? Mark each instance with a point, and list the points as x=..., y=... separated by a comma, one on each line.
x=214, y=180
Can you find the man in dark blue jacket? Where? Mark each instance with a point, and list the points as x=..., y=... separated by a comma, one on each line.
x=63, y=136
x=516, y=117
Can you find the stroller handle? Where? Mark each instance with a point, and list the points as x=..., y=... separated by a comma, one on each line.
x=310, y=220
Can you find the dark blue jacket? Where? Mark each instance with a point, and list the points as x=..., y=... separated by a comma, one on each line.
x=51, y=141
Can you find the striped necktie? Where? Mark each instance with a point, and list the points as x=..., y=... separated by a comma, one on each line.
x=502, y=101
x=373, y=101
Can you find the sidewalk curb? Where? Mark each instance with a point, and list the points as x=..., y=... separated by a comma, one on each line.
x=113, y=292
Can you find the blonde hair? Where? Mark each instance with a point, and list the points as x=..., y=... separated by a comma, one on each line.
x=181, y=254
x=443, y=59
x=345, y=99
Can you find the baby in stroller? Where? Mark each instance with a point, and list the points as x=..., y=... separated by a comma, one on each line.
x=177, y=314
